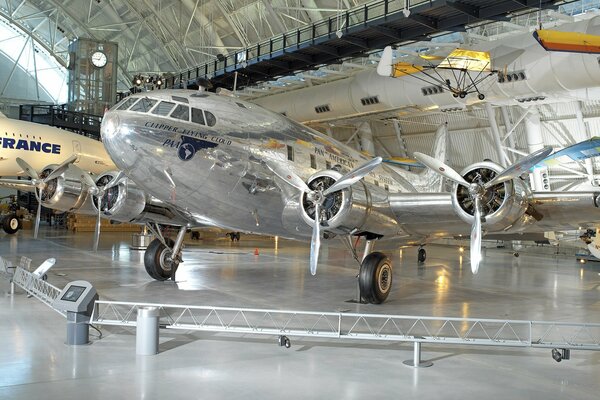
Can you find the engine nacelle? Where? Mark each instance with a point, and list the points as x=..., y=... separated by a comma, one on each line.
x=505, y=206
x=125, y=202
x=354, y=210
x=65, y=192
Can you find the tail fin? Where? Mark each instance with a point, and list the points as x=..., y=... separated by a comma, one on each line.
x=439, y=152
x=384, y=68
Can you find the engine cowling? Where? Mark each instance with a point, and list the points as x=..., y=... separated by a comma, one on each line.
x=65, y=192
x=358, y=209
x=504, y=206
x=125, y=202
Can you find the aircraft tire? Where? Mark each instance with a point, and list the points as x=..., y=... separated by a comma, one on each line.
x=421, y=255
x=375, y=278
x=154, y=260
x=11, y=224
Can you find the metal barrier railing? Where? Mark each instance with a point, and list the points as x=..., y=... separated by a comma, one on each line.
x=37, y=287
x=398, y=328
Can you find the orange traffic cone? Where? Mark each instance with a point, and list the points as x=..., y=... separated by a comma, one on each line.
x=256, y=251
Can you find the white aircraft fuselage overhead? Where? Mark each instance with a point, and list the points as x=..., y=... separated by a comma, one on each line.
x=43, y=145
x=212, y=159
x=547, y=77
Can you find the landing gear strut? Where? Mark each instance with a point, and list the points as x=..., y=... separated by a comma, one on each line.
x=162, y=257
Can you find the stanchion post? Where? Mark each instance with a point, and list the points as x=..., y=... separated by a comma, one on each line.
x=416, y=361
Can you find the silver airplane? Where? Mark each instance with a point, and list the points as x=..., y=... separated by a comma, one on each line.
x=216, y=160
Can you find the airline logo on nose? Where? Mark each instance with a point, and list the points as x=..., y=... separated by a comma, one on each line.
x=187, y=148
x=30, y=145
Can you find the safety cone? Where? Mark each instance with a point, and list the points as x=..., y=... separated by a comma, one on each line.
x=256, y=251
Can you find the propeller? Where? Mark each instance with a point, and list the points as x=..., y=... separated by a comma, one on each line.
x=318, y=196
x=478, y=190
x=40, y=184
x=98, y=192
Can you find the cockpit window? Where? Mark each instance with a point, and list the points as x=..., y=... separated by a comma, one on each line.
x=163, y=108
x=127, y=103
x=144, y=105
x=197, y=116
x=181, y=112
x=210, y=118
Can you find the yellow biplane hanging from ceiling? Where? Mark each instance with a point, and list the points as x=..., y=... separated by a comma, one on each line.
x=468, y=68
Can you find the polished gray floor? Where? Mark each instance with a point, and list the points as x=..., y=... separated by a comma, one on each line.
x=35, y=363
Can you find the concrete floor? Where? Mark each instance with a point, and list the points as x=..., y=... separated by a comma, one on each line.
x=36, y=364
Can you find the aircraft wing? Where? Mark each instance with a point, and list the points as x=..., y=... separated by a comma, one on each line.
x=18, y=184
x=575, y=42
x=577, y=152
x=469, y=60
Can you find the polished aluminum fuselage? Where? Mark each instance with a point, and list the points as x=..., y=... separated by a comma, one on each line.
x=229, y=185
x=227, y=182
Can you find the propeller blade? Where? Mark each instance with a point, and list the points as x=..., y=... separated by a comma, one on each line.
x=28, y=169
x=315, y=243
x=441, y=168
x=61, y=168
x=353, y=176
x=37, y=218
x=115, y=181
x=520, y=167
x=84, y=177
x=98, y=221
x=476, y=238
x=289, y=177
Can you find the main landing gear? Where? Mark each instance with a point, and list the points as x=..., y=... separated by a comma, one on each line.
x=421, y=255
x=10, y=223
x=163, y=255
x=375, y=276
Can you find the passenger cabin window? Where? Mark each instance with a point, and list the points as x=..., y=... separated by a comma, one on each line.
x=163, y=108
x=128, y=103
x=197, y=116
x=313, y=161
x=387, y=188
x=144, y=105
x=181, y=112
x=290, y=153
x=210, y=118
x=377, y=183
x=327, y=165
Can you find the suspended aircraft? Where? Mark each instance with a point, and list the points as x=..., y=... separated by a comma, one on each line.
x=465, y=70
x=45, y=149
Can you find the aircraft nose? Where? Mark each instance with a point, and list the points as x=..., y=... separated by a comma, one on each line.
x=110, y=125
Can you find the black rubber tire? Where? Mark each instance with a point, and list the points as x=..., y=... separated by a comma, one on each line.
x=11, y=224
x=421, y=255
x=375, y=278
x=152, y=260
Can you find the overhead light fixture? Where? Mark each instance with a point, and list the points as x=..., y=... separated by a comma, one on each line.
x=158, y=81
x=137, y=80
x=406, y=11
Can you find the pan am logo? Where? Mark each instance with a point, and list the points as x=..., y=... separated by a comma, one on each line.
x=189, y=146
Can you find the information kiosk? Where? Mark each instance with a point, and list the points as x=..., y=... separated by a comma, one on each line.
x=77, y=299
